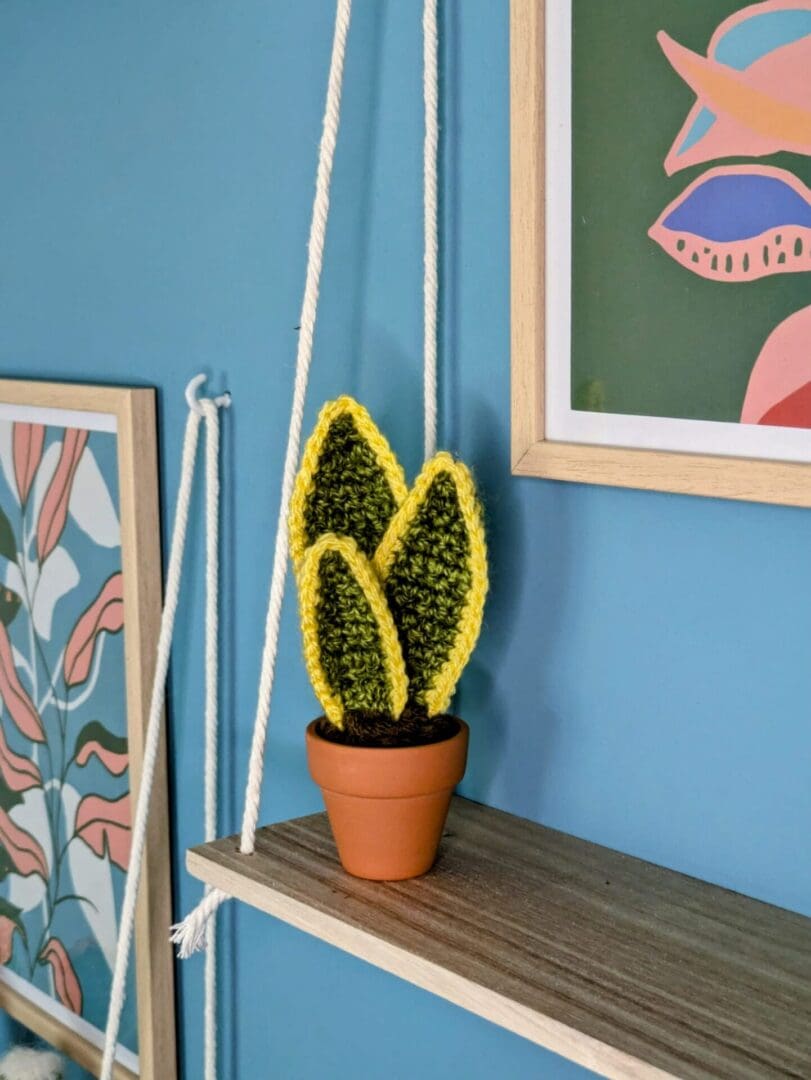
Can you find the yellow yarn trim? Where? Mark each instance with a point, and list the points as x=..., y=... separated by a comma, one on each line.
x=309, y=585
x=366, y=427
x=438, y=697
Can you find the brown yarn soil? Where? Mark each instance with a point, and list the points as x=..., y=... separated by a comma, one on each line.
x=412, y=728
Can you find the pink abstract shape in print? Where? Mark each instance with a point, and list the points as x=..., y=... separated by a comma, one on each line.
x=19, y=773
x=66, y=982
x=27, y=443
x=777, y=393
x=738, y=223
x=753, y=107
x=26, y=854
x=8, y=927
x=104, y=825
x=54, y=511
x=105, y=613
x=20, y=706
x=111, y=750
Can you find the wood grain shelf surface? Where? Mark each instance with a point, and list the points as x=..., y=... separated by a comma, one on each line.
x=625, y=967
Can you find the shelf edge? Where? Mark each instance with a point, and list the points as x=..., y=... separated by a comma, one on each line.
x=542, y=1030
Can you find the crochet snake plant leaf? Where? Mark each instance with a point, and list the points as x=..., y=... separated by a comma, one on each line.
x=351, y=647
x=349, y=483
x=432, y=562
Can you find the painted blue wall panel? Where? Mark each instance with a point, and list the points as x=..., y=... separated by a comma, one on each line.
x=643, y=676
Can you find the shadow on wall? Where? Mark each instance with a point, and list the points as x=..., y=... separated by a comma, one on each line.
x=524, y=591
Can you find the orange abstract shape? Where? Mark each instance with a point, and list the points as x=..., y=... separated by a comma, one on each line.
x=19, y=773
x=104, y=825
x=27, y=443
x=54, y=512
x=105, y=613
x=736, y=95
x=25, y=853
x=66, y=982
x=20, y=706
x=778, y=390
x=753, y=101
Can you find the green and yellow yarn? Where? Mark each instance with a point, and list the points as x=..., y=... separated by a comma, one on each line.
x=392, y=582
x=433, y=565
x=351, y=647
x=350, y=483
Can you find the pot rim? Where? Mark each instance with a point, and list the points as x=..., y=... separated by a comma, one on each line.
x=312, y=733
x=387, y=771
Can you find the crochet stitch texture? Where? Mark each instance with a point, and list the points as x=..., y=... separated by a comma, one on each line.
x=391, y=582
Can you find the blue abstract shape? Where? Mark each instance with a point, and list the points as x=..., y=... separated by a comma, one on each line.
x=748, y=41
x=703, y=123
x=738, y=206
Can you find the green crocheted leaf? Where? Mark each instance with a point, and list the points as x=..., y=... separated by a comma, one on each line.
x=350, y=493
x=351, y=651
x=428, y=583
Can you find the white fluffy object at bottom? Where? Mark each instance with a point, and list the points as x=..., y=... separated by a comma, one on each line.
x=23, y=1063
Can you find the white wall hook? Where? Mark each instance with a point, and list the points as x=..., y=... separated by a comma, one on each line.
x=223, y=401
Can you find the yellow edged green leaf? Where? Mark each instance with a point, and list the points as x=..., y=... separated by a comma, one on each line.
x=432, y=562
x=350, y=483
x=351, y=648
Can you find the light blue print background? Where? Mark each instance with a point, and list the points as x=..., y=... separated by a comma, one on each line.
x=68, y=582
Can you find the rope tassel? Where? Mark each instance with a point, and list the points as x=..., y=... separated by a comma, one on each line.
x=153, y=731
x=191, y=935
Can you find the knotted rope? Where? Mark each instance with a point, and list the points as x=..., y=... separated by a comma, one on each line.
x=209, y=409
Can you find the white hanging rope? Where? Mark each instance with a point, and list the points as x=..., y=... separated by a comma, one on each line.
x=431, y=210
x=190, y=935
x=211, y=714
x=153, y=731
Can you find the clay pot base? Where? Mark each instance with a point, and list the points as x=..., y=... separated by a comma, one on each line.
x=387, y=805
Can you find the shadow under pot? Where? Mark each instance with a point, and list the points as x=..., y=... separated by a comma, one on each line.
x=387, y=805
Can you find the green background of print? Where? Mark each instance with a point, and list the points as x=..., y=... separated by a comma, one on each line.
x=649, y=337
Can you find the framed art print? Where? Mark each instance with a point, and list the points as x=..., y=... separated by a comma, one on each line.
x=661, y=245
x=80, y=595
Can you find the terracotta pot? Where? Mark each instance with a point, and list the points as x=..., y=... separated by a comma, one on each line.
x=387, y=806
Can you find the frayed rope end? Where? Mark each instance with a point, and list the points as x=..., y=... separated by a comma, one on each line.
x=191, y=935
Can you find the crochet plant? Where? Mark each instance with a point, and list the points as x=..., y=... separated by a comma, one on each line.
x=391, y=581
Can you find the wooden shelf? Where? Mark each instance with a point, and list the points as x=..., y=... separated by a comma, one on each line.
x=625, y=967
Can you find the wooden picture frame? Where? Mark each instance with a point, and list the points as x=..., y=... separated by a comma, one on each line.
x=532, y=452
x=131, y=414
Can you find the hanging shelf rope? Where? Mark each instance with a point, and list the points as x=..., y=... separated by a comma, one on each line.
x=197, y=931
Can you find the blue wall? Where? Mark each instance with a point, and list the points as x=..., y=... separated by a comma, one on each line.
x=643, y=678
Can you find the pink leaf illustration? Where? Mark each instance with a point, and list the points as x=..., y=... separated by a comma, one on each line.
x=104, y=825
x=28, y=440
x=27, y=857
x=19, y=773
x=111, y=750
x=54, y=512
x=10, y=923
x=105, y=613
x=67, y=985
x=20, y=706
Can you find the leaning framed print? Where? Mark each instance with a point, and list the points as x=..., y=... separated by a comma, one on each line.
x=661, y=245
x=80, y=597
